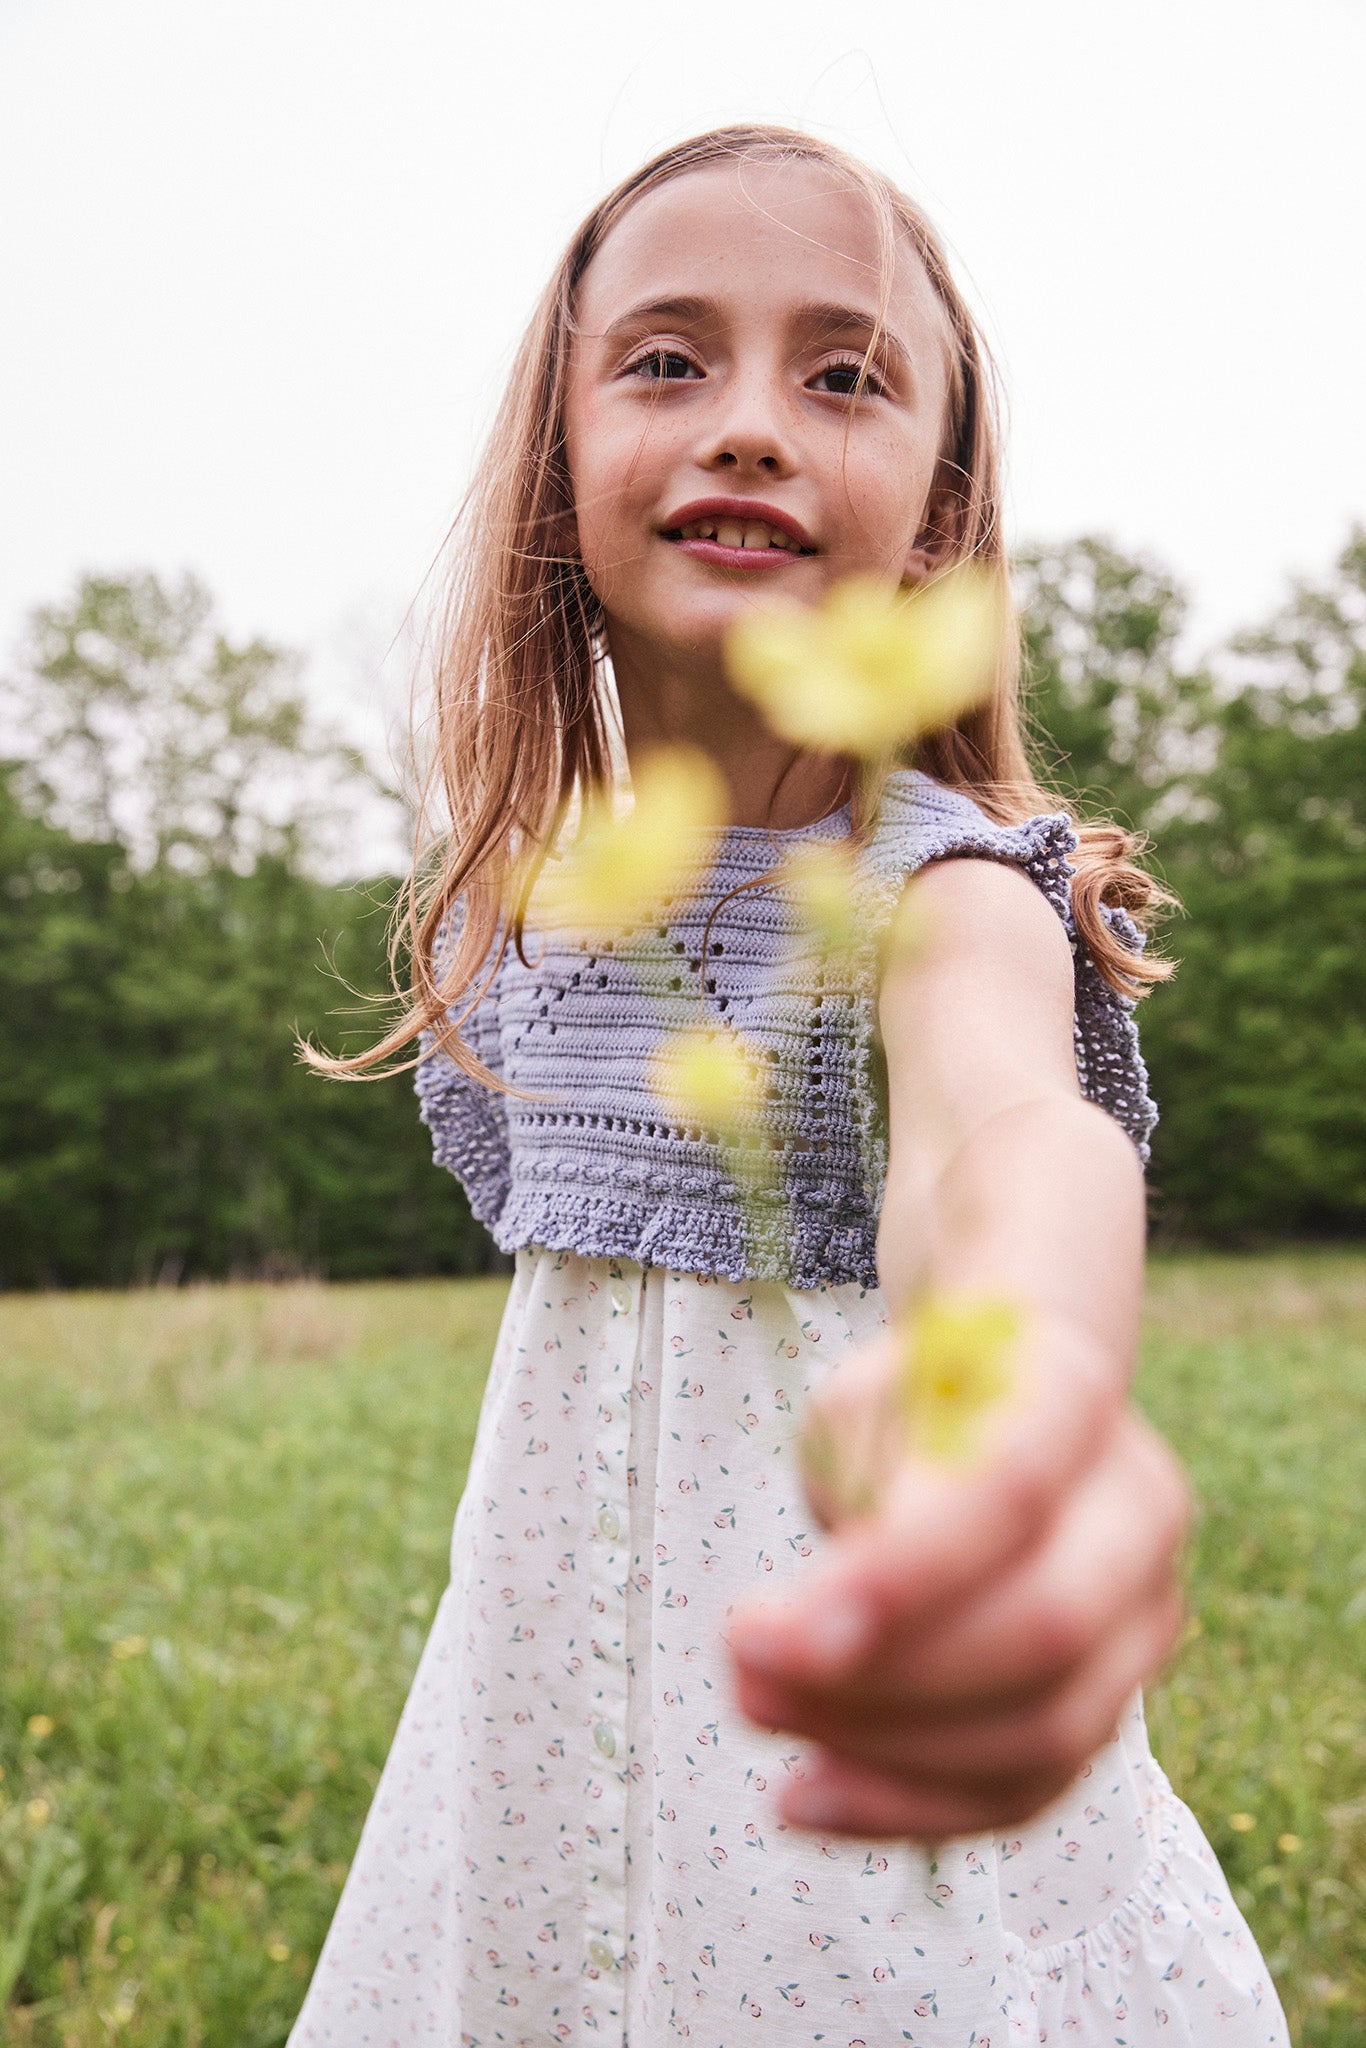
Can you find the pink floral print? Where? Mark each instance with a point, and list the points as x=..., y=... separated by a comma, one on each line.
x=574, y=1839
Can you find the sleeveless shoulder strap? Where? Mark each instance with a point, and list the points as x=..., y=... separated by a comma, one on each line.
x=920, y=821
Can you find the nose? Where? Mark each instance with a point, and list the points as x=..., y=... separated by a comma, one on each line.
x=748, y=432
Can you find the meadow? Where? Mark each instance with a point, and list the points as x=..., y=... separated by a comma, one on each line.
x=224, y=1519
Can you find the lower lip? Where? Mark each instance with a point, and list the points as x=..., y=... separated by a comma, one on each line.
x=738, y=558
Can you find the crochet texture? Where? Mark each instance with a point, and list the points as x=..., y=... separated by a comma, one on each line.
x=585, y=1158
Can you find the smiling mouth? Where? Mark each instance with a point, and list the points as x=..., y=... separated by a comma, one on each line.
x=749, y=535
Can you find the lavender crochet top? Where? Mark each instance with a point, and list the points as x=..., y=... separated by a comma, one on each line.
x=594, y=1164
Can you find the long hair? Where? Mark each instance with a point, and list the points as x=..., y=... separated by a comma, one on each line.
x=522, y=713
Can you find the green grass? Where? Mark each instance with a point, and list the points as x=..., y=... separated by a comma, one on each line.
x=225, y=1515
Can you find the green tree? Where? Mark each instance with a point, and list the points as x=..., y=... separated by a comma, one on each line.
x=1249, y=773
x=1117, y=725
x=1261, y=1043
x=145, y=726
x=161, y=939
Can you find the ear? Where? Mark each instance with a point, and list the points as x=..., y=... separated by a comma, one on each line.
x=941, y=529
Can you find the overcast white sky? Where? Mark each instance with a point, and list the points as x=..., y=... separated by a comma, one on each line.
x=265, y=262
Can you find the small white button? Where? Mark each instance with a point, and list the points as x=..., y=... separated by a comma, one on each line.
x=608, y=1523
x=599, y=1953
x=621, y=1297
x=605, y=1739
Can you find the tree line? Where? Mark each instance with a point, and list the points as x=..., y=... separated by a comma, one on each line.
x=169, y=807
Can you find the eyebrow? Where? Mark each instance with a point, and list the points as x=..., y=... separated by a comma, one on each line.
x=823, y=316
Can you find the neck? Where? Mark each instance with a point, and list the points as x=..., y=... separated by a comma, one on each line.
x=677, y=703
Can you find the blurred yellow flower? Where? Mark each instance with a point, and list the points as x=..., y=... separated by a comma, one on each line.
x=1242, y=1823
x=704, y=1075
x=38, y=1813
x=616, y=869
x=1287, y=1844
x=954, y=1369
x=907, y=935
x=821, y=879
x=40, y=1726
x=278, y=1951
x=128, y=1646
x=871, y=668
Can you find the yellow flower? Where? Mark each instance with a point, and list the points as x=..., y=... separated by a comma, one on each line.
x=40, y=1726
x=38, y=1813
x=616, y=869
x=703, y=1075
x=1242, y=1823
x=1287, y=1844
x=128, y=1646
x=278, y=1951
x=873, y=667
x=908, y=931
x=821, y=878
x=954, y=1369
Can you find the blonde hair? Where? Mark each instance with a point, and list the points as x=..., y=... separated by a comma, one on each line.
x=522, y=710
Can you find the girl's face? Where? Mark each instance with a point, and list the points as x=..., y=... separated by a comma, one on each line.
x=715, y=457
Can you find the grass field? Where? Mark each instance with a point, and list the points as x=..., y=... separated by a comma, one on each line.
x=225, y=1515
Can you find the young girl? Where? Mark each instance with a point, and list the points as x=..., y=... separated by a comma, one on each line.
x=694, y=1754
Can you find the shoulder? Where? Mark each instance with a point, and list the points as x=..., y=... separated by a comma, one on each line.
x=993, y=972
x=981, y=865
x=990, y=913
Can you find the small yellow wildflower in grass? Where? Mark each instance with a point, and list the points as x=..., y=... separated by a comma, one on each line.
x=128, y=1646
x=278, y=1951
x=1287, y=1844
x=616, y=869
x=872, y=668
x=40, y=1726
x=38, y=1813
x=1242, y=1823
x=954, y=1371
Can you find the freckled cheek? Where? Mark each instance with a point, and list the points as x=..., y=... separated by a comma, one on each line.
x=616, y=474
x=886, y=495
x=879, y=517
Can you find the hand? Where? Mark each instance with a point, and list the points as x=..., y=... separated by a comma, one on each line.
x=1008, y=1612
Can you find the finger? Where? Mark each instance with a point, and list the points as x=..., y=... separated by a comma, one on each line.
x=1057, y=1729
x=1055, y=1733
x=840, y=1798
x=849, y=1437
x=939, y=1531
x=1113, y=1553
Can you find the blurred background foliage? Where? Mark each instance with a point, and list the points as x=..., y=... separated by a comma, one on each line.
x=171, y=810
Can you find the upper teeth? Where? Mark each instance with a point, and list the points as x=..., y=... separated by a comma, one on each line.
x=731, y=534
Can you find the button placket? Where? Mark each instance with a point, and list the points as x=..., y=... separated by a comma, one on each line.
x=609, y=1566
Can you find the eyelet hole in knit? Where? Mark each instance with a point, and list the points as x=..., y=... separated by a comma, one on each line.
x=578, y=1156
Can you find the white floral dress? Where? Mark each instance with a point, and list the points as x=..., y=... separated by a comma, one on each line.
x=575, y=1839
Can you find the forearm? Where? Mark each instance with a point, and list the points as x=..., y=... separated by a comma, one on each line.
x=1041, y=1204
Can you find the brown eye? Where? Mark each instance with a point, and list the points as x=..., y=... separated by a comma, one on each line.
x=843, y=380
x=665, y=365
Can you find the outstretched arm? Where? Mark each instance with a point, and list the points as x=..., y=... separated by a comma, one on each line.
x=972, y=1641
